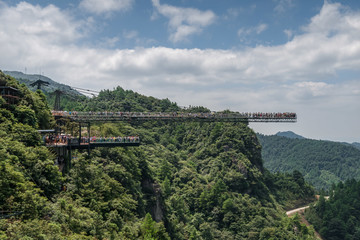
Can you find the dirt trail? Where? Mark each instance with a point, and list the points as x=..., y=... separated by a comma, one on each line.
x=292, y=212
x=300, y=211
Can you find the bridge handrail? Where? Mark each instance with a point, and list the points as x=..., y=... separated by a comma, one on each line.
x=175, y=115
x=70, y=140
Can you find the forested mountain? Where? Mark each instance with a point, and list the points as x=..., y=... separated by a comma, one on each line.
x=186, y=180
x=321, y=162
x=28, y=79
x=289, y=134
x=356, y=144
x=339, y=217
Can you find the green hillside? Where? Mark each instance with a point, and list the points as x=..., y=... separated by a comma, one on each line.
x=186, y=181
x=321, y=162
x=68, y=96
x=28, y=79
x=338, y=217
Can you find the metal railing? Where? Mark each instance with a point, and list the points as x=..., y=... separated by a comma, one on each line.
x=177, y=116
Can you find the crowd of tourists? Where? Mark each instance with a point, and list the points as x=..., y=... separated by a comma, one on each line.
x=248, y=115
x=68, y=139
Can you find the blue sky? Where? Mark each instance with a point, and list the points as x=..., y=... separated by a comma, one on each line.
x=248, y=56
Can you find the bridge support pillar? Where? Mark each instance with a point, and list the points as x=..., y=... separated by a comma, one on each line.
x=88, y=126
x=88, y=129
x=63, y=158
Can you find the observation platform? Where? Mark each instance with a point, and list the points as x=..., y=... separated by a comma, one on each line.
x=10, y=94
x=175, y=116
x=91, y=143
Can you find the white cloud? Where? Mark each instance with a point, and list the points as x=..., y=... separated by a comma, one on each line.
x=283, y=5
x=106, y=6
x=49, y=33
x=109, y=42
x=232, y=13
x=184, y=22
x=314, y=88
x=26, y=23
x=301, y=75
x=288, y=33
x=131, y=34
x=260, y=28
x=244, y=32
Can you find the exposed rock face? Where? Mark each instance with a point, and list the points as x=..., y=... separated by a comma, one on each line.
x=154, y=194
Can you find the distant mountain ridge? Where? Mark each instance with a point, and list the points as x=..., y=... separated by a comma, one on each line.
x=289, y=134
x=356, y=144
x=28, y=79
x=321, y=162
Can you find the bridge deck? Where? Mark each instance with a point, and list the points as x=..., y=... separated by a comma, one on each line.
x=181, y=117
x=66, y=141
x=93, y=145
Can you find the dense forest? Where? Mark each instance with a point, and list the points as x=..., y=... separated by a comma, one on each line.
x=356, y=144
x=322, y=163
x=339, y=217
x=186, y=180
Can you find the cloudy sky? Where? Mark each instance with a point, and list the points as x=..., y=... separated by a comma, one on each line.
x=298, y=56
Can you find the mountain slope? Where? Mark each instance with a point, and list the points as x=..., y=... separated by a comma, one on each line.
x=27, y=79
x=196, y=180
x=321, y=162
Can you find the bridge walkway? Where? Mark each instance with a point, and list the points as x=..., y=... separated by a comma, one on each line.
x=91, y=143
x=176, y=116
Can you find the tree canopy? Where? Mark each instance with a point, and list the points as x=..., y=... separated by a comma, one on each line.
x=338, y=217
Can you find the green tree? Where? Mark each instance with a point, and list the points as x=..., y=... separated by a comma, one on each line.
x=26, y=116
x=336, y=230
x=152, y=230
